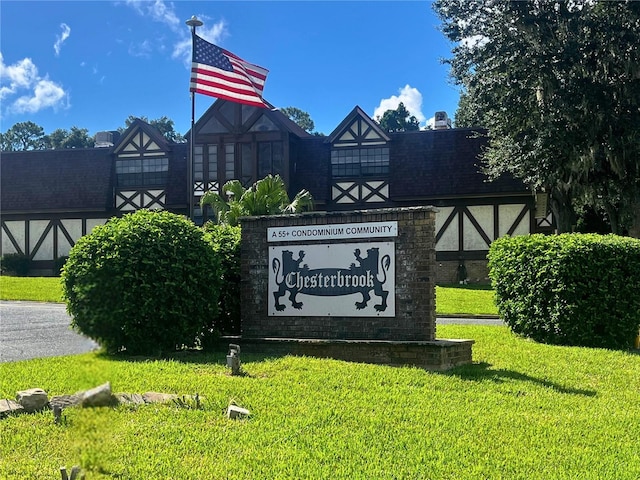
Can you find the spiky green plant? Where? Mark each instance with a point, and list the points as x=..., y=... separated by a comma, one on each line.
x=265, y=197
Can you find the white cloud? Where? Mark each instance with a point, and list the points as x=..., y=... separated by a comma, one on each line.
x=409, y=96
x=19, y=75
x=215, y=33
x=136, y=5
x=66, y=31
x=36, y=93
x=164, y=12
x=431, y=123
x=45, y=94
x=158, y=10
x=182, y=50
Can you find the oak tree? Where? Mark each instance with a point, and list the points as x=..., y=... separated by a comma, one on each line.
x=398, y=120
x=557, y=84
x=300, y=117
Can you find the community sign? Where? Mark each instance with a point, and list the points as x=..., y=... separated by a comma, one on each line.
x=346, y=279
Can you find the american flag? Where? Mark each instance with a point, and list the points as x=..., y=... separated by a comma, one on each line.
x=219, y=73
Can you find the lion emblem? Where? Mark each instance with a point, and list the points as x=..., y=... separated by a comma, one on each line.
x=359, y=278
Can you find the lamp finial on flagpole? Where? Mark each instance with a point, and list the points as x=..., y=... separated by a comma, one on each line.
x=194, y=22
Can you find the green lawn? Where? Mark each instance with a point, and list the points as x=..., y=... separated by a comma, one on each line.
x=38, y=289
x=522, y=411
x=450, y=300
x=467, y=300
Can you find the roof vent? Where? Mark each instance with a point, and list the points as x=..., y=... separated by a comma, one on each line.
x=442, y=121
x=106, y=139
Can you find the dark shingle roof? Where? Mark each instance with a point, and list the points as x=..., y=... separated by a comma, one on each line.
x=312, y=168
x=55, y=180
x=443, y=163
x=424, y=166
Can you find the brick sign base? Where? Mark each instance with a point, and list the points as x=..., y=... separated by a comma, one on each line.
x=370, y=298
x=435, y=355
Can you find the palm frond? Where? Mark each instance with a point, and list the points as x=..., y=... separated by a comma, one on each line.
x=233, y=189
x=270, y=195
x=302, y=202
x=217, y=204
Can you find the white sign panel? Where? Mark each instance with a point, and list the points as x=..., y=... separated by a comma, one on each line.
x=333, y=231
x=348, y=280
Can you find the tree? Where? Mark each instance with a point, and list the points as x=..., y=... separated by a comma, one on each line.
x=79, y=138
x=613, y=83
x=467, y=114
x=398, y=120
x=6, y=144
x=23, y=136
x=557, y=84
x=164, y=124
x=302, y=118
x=76, y=138
x=265, y=197
x=56, y=138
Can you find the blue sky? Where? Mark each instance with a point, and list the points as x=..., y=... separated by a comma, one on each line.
x=91, y=64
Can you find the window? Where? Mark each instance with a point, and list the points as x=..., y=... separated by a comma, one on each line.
x=142, y=171
x=210, y=162
x=270, y=158
x=229, y=161
x=213, y=162
x=345, y=163
x=355, y=162
x=374, y=161
x=198, y=164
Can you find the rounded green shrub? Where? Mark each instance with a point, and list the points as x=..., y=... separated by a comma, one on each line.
x=570, y=289
x=145, y=283
x=225, y=240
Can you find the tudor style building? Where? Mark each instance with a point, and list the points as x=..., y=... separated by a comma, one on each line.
x=51, y=198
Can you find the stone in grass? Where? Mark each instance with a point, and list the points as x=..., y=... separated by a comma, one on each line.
x=155, y=397
x=130, y=399
x=234, y=411
x=64, y=401
x=99, y=396
x=32, y=400
x=9, y=407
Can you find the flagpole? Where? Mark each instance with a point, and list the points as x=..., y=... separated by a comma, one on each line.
x=193, y=22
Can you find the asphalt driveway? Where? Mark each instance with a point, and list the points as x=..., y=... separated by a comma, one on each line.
x=37, y=330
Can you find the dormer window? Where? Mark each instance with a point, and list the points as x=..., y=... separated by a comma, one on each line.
x=139, y=172
x=359, y=147
x=141, y=160
x=356, y=162
x=360, y=163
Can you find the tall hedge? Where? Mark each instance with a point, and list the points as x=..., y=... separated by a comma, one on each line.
x=145, y=283
x=570, y=289
x=15, y=264
x=225, y=241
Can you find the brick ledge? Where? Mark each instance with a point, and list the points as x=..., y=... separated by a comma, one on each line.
x=438, y=355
